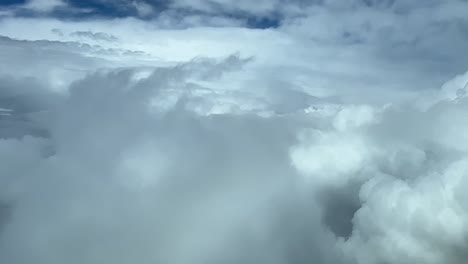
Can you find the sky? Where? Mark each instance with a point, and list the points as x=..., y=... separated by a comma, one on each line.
x=221, y=131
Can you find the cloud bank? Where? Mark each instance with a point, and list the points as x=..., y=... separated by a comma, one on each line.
x=139, y=138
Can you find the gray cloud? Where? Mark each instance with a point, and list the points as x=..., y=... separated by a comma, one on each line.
x=203, y=191
x=131, y=180
x=302, y=148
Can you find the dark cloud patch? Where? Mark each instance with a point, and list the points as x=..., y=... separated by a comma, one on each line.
x=5, y=211
x=263, y=22
x=379, y=3
x=301, y=235
x=339, y=206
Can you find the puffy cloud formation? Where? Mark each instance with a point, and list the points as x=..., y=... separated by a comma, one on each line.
x=153, y=140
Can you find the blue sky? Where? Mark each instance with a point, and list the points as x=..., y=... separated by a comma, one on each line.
x=256, y=18
x=119, y=9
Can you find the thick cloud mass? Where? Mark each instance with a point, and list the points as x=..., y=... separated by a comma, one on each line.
x=147, y=140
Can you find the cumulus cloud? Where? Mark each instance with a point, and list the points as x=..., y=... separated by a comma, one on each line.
x=172, y=186
x=323, y=140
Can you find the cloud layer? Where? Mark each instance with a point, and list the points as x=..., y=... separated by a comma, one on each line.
x=139, y=138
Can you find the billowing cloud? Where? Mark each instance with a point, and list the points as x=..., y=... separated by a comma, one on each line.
x=336, y=136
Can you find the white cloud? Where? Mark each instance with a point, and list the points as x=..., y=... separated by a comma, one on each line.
x=190, y=214
x=325, y=140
